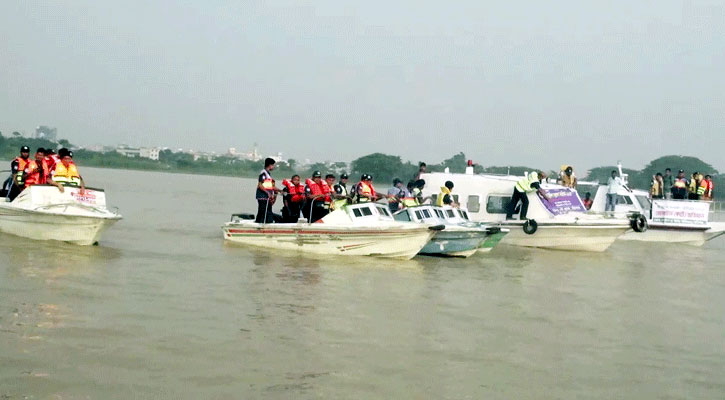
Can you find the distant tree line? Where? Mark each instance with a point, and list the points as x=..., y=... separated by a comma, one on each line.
x=383, y=167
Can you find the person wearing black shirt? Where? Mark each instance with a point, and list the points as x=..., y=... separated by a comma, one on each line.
x=266, y=193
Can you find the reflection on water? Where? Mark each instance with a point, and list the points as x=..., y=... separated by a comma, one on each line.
x=163, y=308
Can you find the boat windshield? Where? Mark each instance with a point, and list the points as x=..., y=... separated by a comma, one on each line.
x=463, y=214
x=644, y=202
x=383, y=211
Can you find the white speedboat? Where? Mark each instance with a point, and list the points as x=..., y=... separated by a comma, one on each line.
x=366, y=229
x=42, y=212
x=458, y=239
x=668, y=221
x=560, y=224
x=460, y=216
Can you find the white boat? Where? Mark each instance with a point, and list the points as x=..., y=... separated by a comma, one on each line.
x=42, y=212
x=366, y=229
x=562, y=224
x=458, y=239
x=668, y=221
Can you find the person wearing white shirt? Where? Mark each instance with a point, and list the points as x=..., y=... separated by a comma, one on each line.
x=613, y=185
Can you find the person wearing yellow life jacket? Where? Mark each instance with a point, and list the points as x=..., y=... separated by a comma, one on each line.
x=692, y=185
x=36, y=172
x=445, y=197
x=266, y=193
x=567, y=177
x=17, y=167
x=679, y=187
x=314, y=208
x=409, y=199
x=65, y=172
x=656, y=190
x=340, y=194
x=365, y=190
x=528, y=184
x=293, y=197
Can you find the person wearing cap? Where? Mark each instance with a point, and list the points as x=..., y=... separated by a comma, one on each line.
x=445, y=197
x=17, y=167
x=396, y=195
x=340, y=193
x=266, y=193
x=365, y=189
x=36, y=172
x=528, y=184
x=66, y=172
x=679, y=188
x=314, y=208
x=567, y=177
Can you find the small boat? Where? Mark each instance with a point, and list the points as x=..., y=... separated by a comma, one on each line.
x=562, y=224
x=365, y=229
x=42, y=212
x=667, y=221
x=460, y=238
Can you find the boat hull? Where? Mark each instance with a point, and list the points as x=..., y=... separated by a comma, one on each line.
x=691, y=237
x=455, y=243
x=568, y=237
x=492, y=240
x=80, y=230
x=330, y=240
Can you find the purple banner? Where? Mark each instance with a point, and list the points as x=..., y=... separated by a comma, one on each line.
x=563, y=201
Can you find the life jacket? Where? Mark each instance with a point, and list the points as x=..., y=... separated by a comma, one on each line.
x=410, y=199
x=35, y=175
x=656, y=189
x=364, y=188
x=710, y=187
x=326, y=190
x=66, y=175
x=692, y=187
x=702, y=188
x=296, y=192
x=315, y=189
x=444, y=191
x=22, y=164
x=338, y=203
x=680, y=183
x=51, y=161
x=524, y=184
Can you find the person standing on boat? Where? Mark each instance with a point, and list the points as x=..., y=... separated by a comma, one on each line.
x=36, y=172
x=445, y=197
x=365, y=190
x=613, y=185
x=395, y=195
x=293, y=196
x=65, y=173
x=314, y=208
x=656, y=187
x=692, y=186
x=679, y=188
x=707, y=188
x=567, y=177
x=669, y=181
x=266, y=193
x=17, y=167
x=422, y=169
x=528, y=184
x=340, y=193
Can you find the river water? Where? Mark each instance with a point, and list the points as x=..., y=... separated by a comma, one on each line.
x=164, y=309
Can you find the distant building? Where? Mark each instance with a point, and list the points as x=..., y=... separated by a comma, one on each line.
x=128, y=151
x=150, y=153
x=47, y=133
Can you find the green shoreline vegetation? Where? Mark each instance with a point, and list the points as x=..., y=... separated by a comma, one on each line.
x=383, y=167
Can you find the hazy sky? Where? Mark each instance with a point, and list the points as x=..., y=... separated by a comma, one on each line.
x=515, y=82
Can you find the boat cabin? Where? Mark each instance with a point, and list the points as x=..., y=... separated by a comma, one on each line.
x=486, y=197
x=363, y=213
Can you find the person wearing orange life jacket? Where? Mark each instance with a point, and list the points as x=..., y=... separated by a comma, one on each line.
x=328, y=190
x=293, y=197
x=65, y=172
x=706, y=188
x=365, y=190
x=314, y=208
x=17, y=167
x=51, y=159
x=266, y=193
x=36, y=172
